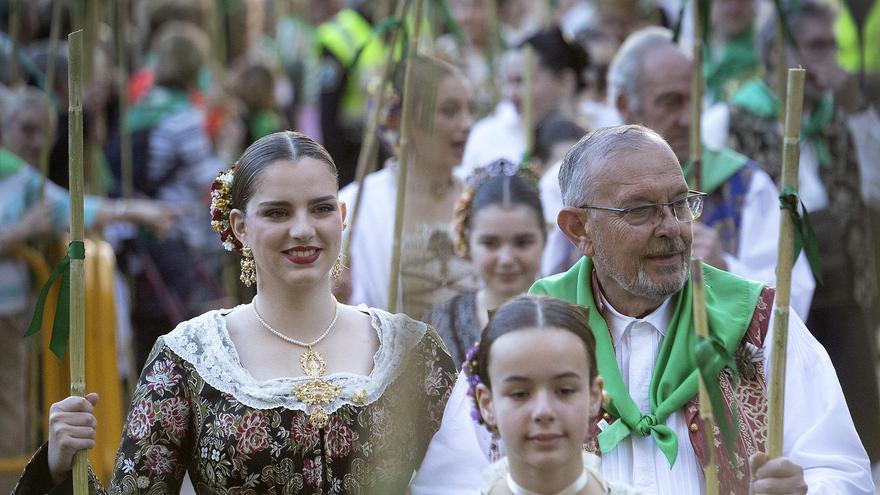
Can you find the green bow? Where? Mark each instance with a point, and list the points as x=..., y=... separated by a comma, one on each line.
x=804, y=237
x=61, y=327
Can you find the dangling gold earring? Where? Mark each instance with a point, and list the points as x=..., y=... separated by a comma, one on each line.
x=336, y=269
x=248, y=267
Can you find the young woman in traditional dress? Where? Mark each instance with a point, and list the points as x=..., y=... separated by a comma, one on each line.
x=431, y=271
x=293, y=392
x=500, y=228
x=534, y=380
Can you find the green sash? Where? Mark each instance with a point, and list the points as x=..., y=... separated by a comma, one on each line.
x=757, y=98
x=813, y=126
x=738, y=61
x=717, y=166
x=10, y=163
x=730, y=304
x=157, y=104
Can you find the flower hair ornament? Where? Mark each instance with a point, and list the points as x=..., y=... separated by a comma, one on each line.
x=462, y=213
x=221, y=206
x=471, y=370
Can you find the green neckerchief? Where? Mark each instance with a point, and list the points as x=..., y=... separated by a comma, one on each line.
x=730, y=304
x=10, y=163
x=757, y=98
x=738, y=59
x=812, y=128
x=717, y=166
x=155, y=106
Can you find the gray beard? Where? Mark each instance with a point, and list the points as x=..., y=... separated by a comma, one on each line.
x=643, y=286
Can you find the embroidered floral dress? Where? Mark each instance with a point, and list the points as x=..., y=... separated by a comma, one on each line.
x=197, y=410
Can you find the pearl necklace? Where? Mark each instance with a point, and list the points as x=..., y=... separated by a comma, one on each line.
x=292, y=340
x=317, y=392
x=571, y=489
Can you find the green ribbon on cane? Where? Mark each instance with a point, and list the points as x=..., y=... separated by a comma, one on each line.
x=804, y=236
x=61, y=327
x=711, y=357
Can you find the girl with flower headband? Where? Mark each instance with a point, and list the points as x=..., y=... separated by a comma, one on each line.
x=534, y=382
x=431, y=271
x=293, y=392
x=499, y=227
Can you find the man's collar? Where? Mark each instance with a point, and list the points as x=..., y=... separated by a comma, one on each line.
x=618, y=323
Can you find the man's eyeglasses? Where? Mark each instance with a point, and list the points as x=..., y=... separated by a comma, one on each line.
x=685, y=210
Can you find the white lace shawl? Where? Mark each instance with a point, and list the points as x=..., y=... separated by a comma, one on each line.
x=204, y=343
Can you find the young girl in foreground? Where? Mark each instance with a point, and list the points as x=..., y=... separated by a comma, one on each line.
x=535, y=383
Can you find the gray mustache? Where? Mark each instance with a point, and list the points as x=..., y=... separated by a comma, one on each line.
x=667, y=247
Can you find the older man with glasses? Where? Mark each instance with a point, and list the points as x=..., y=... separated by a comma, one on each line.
x=628, y=209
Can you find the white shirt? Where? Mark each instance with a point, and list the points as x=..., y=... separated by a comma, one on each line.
x=499, y=135
x=757, y=250
x=454, y=462
x=818, y=434
x=864, y=127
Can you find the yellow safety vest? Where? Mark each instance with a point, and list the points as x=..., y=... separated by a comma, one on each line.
x=343, y=36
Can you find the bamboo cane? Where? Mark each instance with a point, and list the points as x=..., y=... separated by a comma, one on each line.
x=405, y=130
x=696, y=140
x=528, y=101
x=77, y=267
x=781, y=67
x=14, y=23
x=494, y=49
x=790, y=158
x=54, y=34
x=127, y=172
x=702, y=328
x=367, y=158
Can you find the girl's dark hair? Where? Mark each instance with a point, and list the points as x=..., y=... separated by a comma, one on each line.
x=507, y=190
x=552, y=130
x=527, y=312
x=284, y=145
x=556, y=54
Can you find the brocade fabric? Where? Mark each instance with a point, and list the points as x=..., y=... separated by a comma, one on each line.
x=205, y=415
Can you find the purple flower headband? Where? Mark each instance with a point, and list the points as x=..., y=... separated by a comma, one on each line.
x=471, y=370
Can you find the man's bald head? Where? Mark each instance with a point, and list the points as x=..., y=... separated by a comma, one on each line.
x=583, y=166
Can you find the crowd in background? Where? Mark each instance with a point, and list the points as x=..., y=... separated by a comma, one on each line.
x=507, y=82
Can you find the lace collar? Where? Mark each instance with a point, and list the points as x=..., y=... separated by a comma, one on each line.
x=204, y=343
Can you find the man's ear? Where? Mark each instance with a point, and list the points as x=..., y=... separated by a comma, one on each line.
x=236, y=221
x=578, y=232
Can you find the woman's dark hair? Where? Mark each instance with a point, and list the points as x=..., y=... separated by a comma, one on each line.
x=555, y=129
x=528, y=312
x=284, y=145
x=556, y=54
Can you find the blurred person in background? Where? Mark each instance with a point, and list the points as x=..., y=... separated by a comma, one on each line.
x=557, y=79
x=431, y=272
